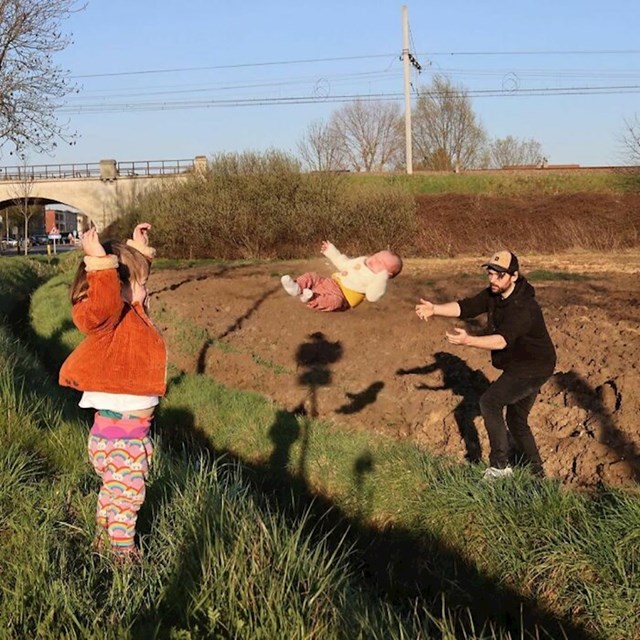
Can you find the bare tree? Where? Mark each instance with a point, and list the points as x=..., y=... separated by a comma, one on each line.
x=510, y=151
x=21, y=191
x=320, y=148
x=631, y=140
x=31, y=85
x=369, y=134
x=446, y=133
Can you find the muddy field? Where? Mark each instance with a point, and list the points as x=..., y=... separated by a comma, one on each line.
x=380, y=368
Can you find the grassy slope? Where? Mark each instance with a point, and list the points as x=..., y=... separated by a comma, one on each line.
x=420, y=521
x=512, y=183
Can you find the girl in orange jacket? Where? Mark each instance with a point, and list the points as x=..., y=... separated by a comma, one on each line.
x=120, y=367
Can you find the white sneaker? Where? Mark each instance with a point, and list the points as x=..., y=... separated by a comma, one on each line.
x=493, y=473
x=306, y=295
x=290, y=286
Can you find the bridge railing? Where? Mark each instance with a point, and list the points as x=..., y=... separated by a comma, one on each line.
x=153, y=167
x=51, y=171
x=95, y=170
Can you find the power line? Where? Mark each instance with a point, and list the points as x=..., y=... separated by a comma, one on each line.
x=358, y=57
x=534, y=52
x=328, y=82
x=230, y=66
x=131, y=107
x=121, y=92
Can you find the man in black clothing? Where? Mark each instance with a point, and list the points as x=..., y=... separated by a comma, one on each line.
x=520, y=345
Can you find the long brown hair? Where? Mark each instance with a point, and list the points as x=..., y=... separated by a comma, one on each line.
x=132, y=266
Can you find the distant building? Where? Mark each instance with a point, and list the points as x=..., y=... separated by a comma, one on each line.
x=65, y=221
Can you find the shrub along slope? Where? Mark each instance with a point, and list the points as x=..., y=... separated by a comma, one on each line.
x=261, y=206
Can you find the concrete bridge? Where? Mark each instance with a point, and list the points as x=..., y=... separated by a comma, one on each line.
x=99, y=190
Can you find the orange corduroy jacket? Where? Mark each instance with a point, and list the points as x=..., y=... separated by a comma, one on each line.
x=123, y=351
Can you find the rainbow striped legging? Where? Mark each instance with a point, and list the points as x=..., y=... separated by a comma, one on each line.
x=123, y=465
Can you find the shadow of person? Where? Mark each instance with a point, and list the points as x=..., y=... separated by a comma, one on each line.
x=284, y=431
x=463, y=381
x=363, y=466
x=600, y=404
x=360, y=400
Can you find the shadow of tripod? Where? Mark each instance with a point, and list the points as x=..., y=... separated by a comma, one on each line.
x=314, y=358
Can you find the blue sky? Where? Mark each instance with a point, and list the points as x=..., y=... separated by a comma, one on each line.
x=169, y=54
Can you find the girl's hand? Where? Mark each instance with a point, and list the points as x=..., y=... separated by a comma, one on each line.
x=141, y=233
x=91, y=244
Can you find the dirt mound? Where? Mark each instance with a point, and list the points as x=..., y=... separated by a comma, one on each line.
x=380, y=368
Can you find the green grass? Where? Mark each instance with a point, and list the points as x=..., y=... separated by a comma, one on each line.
x=164, y=264
x=497, y=183
x=535, y=275
x=259, y=523
x=547, y=275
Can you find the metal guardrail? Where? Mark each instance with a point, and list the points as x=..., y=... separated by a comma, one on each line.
x=154, y=167
x=93, y=170
x=50, y=171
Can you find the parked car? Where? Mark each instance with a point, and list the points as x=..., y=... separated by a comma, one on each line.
x=9, y=243
x=42, y=238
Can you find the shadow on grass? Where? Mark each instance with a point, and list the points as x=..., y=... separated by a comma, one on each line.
x=36, y=371
x=408, y=568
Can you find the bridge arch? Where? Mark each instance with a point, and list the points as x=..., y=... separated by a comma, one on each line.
x=101, y=191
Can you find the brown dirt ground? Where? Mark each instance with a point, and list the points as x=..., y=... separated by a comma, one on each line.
x=379, y=368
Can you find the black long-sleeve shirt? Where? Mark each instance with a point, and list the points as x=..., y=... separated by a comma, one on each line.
x=518, y=319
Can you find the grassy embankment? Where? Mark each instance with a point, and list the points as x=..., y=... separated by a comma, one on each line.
x=320, y=532
x=510, y=183
x=263, y=207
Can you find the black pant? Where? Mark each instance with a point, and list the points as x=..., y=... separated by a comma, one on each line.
x=518, y=396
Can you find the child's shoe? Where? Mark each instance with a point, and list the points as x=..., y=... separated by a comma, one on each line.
x=306, y=295
x=290, y=286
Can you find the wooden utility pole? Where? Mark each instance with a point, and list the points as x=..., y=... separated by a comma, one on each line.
x=407, y=91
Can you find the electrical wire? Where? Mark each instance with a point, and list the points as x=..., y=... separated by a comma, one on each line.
x=426, y=54
x=131, y=107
